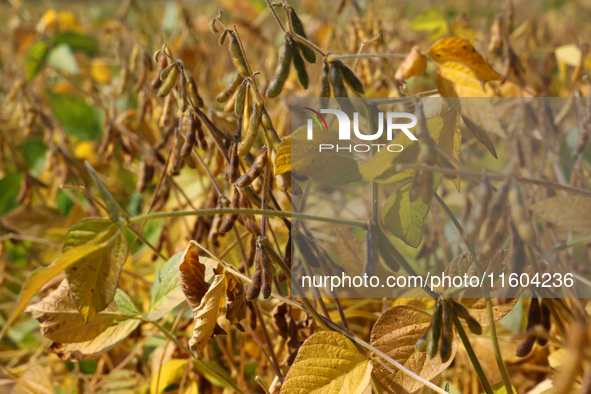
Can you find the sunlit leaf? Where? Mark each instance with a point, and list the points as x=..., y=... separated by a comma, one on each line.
x=456, y=49
x=395, y=333
x=166, y=290
x=570, y=213
x=36, y=56
x=97, y=346
x=330, y=167
x=432, y=21
x=328, y=362
x=170, y=373
x=60, y=320
x=41, y=276
x=405, y=218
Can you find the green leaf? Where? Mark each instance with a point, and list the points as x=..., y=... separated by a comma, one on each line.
x=89, y=231
x=10, y=186
x=166, y=290
x=38, y=278
x=76, y=42
x=93, y=279
x=76, y=116
x=125, y=304
x=432, y=21
x=405, y=218
x=329, y=167
x=116, y=213
x=97, y=346
x=62, y=58
x=36, y=56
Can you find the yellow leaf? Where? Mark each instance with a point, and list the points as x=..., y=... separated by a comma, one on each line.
x=85, y=150
x=67, y=21
x=328, y=363
x=395, y=333
x=472, y=298
x=100, y=71
x=455, y=80
x=170, y=373
x=572, y=213
x=432, y=21
x=449, y=137
x=569, y=54
x=456, y=49
x=412, y=66
x=47, y=21
x=283, y=159
x=34, y=380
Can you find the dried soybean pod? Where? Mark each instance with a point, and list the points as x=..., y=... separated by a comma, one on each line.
x=421, y=345
x=273, y=140
x=231, y=104
x=350, y=77
x=282, y=70
x=166, y=72
x=234, y=164
x=182, y=101
x=146, y=175
x=462, y=312
x=324, y=93
x=248, y=219
x=176, y=154
x=267, y=271
x=212, y=26
x=336, y=80
x=240, y=99
x=230, y=89
x=218, y=165
x=252, y=133
x=299, y=65
x=194, y=92
x=491, y=245
x=230, y=218
x=298, y=28
x=519, y=215
x=169, y=82
x=544, y=321
x=199, y=130
x=257, y=277
x=237, y=56
x=162, y=64
x=190, y=137
x=166, y=114
x=214, y=231
x=447, y=335
x=533, y=319
x=494, y=213
x=525, y=346
x=223, y=37
x=480, y=208
x=435, y=331
x=254, y=171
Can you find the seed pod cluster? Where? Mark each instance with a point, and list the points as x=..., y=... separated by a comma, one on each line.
x=298, y=28
x=252, y=131
x=230, y=218
x=534, y=318
x=177, y=159
x=169, y=76
x=146, y=175
x=262, y=276
x=162, y=64
x=254, y=171
x=237, y=56
x=282, y=71
x=232, y=168
x=229, y=90
x=248, y=219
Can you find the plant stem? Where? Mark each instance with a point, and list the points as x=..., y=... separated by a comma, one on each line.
x=360, y=55
x=469, y=174
x=200, y=364
x=267, y=212
x=489, y=309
